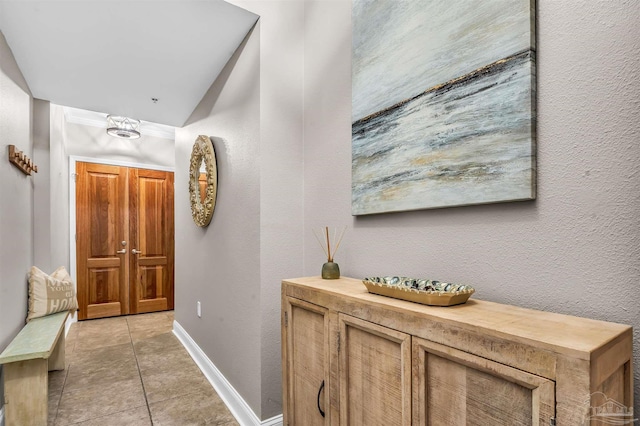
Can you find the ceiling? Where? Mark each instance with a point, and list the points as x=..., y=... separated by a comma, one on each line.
x=116, y=56
x=98, y=119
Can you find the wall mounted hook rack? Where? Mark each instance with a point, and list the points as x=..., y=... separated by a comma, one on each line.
x=21, y=161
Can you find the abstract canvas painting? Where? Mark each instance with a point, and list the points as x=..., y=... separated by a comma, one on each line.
x=443, y=103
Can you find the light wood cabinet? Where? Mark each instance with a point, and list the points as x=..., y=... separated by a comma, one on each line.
x=355, y=358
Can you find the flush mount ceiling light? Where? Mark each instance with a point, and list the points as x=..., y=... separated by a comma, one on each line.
x=123, y=127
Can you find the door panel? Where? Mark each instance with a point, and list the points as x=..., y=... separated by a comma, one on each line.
x=104, y=285
x=307, y=366
x=457, y=388
x=102, y=223
x=151, y=206
x=375, y=374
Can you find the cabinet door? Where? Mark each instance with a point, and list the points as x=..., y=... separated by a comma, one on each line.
x=455, y=388
x=375, y=374
x=305, y=341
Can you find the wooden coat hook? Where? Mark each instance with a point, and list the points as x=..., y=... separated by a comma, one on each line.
x=21, y=161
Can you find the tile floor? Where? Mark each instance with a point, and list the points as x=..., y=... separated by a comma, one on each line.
x=131, y=371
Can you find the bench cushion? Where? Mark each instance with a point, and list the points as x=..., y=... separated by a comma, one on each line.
x=36, y=340
x=49, y=294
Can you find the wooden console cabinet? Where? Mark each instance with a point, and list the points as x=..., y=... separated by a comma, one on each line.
x=355, y=358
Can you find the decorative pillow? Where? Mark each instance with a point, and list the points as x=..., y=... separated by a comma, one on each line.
x=49, y=294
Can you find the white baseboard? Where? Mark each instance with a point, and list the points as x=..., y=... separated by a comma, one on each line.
x=273, y=421
x=236, y=404
x=70, y=320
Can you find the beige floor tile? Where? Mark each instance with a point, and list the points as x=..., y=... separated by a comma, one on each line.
x=148, y=332
x=158, y=320
x=164, y=360
x=56, y=380
x=102, y=385
x=104, y=353
x=181, y=381
x=205, y=408
x=161, y=343
x=134, y=417
x=52, y=406
x=99, y=400
x=95, y=334
x=103, y=368
x=95, y=342
x=102, y=327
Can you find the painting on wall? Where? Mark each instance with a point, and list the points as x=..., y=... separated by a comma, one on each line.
x=443, y=103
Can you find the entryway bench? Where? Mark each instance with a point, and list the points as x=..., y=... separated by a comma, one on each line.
x=36, y=350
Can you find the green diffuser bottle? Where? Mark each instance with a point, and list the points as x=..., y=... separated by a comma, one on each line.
x=330, y=270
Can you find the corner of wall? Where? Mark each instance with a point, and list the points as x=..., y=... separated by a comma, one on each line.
x=232, y=399
x=219, y=265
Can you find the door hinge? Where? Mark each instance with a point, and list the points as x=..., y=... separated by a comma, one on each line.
x=552, y=421
x=74, y=176
x=286, y=318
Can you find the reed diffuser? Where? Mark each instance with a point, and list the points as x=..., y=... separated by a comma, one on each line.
x=330, y=270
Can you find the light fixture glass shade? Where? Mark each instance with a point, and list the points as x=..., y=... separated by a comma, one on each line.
x=123, y=127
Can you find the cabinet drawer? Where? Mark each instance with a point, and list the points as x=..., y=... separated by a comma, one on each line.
x=455, y=388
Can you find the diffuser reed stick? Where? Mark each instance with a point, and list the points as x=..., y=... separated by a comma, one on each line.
x=322, y=246
x=326, y=248
x=339, y=240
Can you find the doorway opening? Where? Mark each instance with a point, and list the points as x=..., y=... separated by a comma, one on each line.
x=122, y=238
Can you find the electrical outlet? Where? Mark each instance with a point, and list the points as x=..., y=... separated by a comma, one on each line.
x=199, y=309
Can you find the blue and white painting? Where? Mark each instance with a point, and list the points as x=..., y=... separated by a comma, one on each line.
x=443, y=103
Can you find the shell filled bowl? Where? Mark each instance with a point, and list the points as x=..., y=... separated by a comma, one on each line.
x=427, y=292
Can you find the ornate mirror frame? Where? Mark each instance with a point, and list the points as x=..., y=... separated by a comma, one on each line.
x=202, y=211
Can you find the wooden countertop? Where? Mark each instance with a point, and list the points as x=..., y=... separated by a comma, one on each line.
x=575, y=336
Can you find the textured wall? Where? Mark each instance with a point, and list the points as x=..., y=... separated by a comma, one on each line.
x=16, y=200
x=576, y=249
x=281, y=168
x=42, y=191
x=220, y=265
x=255, y=111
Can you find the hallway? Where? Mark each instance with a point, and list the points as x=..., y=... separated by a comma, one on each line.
x=131, y=371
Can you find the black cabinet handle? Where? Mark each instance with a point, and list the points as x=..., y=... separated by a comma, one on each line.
x=319, y=392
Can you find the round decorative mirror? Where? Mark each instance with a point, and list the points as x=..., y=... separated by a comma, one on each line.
x=203, y=186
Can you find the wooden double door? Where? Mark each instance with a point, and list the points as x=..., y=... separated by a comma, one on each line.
x=124, y=240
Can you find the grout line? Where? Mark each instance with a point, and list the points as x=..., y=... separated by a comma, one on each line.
x=67, y=367
x=135, y=355
x=64, y=383
x=77, y=347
